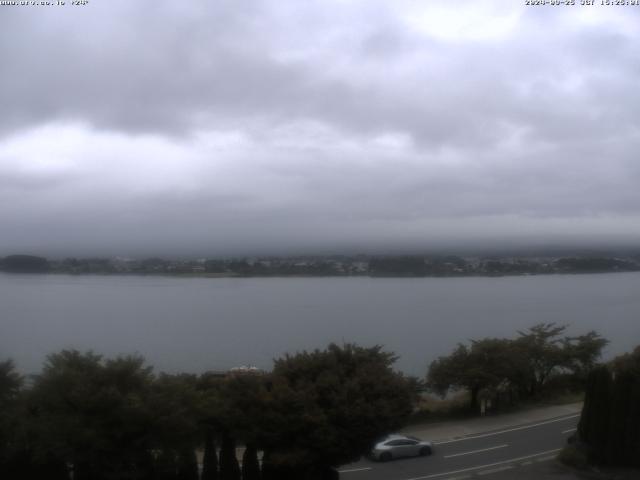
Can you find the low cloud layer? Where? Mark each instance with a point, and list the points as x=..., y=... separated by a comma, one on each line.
x=226, y=127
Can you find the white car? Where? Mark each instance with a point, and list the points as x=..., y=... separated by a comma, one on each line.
x=398, y=446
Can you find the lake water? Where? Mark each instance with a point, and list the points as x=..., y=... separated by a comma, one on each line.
x=196, y=324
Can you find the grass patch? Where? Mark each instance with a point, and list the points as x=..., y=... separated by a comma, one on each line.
x=432, y=408
x=565, y=398
x=573, y=456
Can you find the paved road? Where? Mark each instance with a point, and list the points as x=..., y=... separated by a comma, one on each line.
x=481, y=455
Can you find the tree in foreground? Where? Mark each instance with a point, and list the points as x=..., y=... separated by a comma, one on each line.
x=92, y=413
x=521, y=367
x=327, y=408
x=174, y=403
x=229, y=467
x=103, y=419
x=10, y=386
x=236, y=406
x=250, y=463
x=210, y=457
x=484, y=365
x=545, y=351
x=187, y=465
x=609, y=424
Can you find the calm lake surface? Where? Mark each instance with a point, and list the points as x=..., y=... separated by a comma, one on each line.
x=197, y=324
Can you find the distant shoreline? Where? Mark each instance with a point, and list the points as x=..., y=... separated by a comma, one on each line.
x=447, y=266
x=241, y=276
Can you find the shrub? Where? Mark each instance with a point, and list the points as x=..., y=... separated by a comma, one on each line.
x=573, y=456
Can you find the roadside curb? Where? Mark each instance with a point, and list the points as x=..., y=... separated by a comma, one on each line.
x=459, y=430
x=506, y=428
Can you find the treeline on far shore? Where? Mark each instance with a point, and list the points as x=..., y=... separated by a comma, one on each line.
x=358, y=265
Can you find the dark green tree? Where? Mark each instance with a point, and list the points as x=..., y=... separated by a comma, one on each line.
x=485, y=365
x=92, y=413
x=250, y=463
x=520, y=367
x=594, y=421
x=327, y=407
x=10, y=389
x=187, y=465
x=229, y=467
x=611, y=413
x=10, y=382
x=546, y=353
x=210, y=456
x=166, y=465
x=541, y=345
x=237, y=409
x=176, y=404
x=582, y=353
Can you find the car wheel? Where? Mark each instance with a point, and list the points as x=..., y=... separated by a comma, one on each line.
x=385, y=456
x=424, y=451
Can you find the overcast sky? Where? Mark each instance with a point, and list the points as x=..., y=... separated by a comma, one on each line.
x=229, y=127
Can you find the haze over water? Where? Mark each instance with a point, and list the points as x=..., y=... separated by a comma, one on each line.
x=198, y=324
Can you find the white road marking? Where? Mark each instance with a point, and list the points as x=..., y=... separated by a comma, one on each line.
x=495, y=470
x=479, y=467
x=476, y=451
x=515, y=429
x=545, y=459
x=569, y=430
x=351, y=470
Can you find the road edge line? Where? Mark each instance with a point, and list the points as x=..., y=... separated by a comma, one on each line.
x=475, y=451
x=504, y=462
x=514, y=429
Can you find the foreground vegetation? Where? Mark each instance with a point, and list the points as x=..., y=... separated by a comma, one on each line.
x=501, y=372
x=88, y=417
x=609, y=429
x=99, y=418
x=543, y=363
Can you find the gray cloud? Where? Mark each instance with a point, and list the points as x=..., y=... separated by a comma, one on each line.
x=264, y=125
